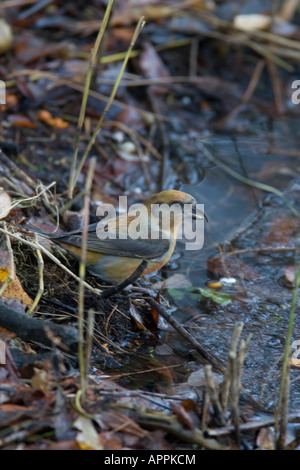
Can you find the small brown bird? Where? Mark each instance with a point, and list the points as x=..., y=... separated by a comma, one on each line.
x=112, y=255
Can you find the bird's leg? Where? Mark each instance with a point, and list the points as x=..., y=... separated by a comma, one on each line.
x=127, y=281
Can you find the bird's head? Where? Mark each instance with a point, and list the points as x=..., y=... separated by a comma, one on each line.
x=172, y=199
x=171, y=196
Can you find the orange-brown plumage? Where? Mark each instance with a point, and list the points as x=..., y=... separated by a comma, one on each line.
x=115, y=259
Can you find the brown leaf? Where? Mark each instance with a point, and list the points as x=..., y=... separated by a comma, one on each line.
x=87, y=437
x=281, y=232
x=57, y=122
x=14, y=290
x=135, y=314
x=231, y=266
x=21, y=121
x=184, y=416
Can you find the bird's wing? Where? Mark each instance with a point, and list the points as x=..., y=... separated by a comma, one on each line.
x=148, y=249
x=144, y=249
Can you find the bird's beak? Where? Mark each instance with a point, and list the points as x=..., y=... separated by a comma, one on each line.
x=198, y=215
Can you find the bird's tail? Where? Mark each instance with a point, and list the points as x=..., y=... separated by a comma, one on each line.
x=33, y=228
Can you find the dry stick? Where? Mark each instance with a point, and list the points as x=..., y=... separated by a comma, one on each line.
x=89, y=338
x=269, y=55
x=98, y=96
x=235, y=38
x=51, y=256
x=287, y=44
x=135, y=135
x=238, y=327
x=17, y=3
x=285, y=392
x=32, y=198
x=34, y=9
x=97, y=65
x=137, y=31
x=205, y=354
x=119, y=56
x=82, y=269
x=288, y=9
x=204, y=409
x=41, y=279
x=31, y=329
x=282, y=409
x=93, y=58
x=153, y=419
x=244, y=38
x=108, y=319
x=252, y=425
x=276, y=85
x=212, y=393
x=29, y=183
x=236, y=383
x=254, y=250
x=246, y=96
x=72, y=201
x=22, y=176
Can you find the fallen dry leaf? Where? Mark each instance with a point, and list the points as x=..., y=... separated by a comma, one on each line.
x=231, y=266
x=87, y=437
x=282, y=232
x=57, y=122
x=14, y=290
x=21, y=121
x=5, y=203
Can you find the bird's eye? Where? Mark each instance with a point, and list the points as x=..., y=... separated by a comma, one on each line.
x=170, y=204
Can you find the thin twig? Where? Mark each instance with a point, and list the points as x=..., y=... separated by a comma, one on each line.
x=236, y=384
x=41, y=279
x=82, y=270
x=213, y=395
x=288, y=9
x=137, y=31
x=228, y=372
x=89, y=338
x=205, y=354
x=277, y=87
x=252, y=425
x=85, y=95
x=282, y=408
x=51, y=256
x=247, y=95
